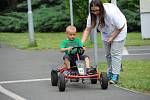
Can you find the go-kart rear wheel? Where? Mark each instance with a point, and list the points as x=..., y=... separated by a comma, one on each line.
x=54, y=77
x=61, y=82
x=93, y=80
x=104, y=80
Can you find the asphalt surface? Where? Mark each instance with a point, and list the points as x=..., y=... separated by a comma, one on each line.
x=25, y=75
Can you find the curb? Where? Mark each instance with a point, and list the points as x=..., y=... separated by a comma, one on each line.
x=134, y=91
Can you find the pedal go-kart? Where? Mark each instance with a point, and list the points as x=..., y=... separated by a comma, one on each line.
x=60, y=78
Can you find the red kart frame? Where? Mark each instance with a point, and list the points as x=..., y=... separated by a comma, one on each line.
x=61, y=70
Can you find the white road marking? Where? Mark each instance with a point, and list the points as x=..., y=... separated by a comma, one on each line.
x=138, y=49
x=125, y=51
x=139, y=54
x=23, y=81
x=11, y=94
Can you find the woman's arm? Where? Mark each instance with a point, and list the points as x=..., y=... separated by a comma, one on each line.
x=85, y=34
x=114, y=34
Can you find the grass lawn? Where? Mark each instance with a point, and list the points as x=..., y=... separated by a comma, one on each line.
x=52, y=40
x=135, y=39
x=136, y=74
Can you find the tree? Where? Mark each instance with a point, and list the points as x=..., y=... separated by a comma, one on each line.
x=80, y=12
x=48, y=15
x=131, y=10
x=54, y=15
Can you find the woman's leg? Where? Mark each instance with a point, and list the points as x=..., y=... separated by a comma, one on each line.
x=116, y=56
x=108, y=56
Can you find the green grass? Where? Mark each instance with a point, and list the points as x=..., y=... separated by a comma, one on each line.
x=135, y=75
x=135, y=39
x=52, y=40
x=43, y=40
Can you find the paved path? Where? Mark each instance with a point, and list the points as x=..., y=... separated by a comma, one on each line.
x=25, y=75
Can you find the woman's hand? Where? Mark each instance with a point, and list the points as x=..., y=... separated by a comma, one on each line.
x=114, y=35
x=110, y=39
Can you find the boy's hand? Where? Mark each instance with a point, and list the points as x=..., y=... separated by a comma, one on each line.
x=69, y=49
x=66, y=49
x=84, y=48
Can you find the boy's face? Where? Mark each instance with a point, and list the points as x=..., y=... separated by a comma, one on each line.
x=71, y=35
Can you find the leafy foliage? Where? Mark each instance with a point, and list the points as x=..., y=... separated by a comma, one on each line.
x=131, y=10
x=13, y=22
x=54, y=15
x=48, y=18
x=80, y=12
x=48, y=15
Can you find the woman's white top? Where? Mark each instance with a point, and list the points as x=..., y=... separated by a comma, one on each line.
x=113, y=19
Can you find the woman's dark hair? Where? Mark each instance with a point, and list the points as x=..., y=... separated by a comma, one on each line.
x=101, y=15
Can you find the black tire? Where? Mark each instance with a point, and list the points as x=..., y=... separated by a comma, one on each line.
x=104, y=80
x=54, y=77
x=77, y=79
x=61, y=82
x=93, y=81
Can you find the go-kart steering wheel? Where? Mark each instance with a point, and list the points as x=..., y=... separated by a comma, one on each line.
x=76, y=50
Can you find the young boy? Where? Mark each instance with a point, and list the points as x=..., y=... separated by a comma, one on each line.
x=67, y=46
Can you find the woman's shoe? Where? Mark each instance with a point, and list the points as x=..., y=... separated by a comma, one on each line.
x=114, y=79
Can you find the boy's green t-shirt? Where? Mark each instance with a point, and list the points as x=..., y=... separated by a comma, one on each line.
x=71, y=43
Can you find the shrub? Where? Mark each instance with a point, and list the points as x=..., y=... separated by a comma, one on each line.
x=54, y=15
x=13, y=22
x=131, y=10
x=48, y=15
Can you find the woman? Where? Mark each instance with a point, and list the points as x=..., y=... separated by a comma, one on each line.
x=108, y=19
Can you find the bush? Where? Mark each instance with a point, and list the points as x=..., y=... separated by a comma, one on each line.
x=50, y=19
x=131, y=10
x=80, y=12
x=54, y=15
x=48, y=15
x=13, y=22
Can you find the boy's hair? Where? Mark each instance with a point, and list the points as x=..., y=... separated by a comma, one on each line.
x=71, y=28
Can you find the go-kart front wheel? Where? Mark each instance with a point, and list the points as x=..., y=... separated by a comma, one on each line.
x=104, y=80
x=54, y=77
x=61, y=82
